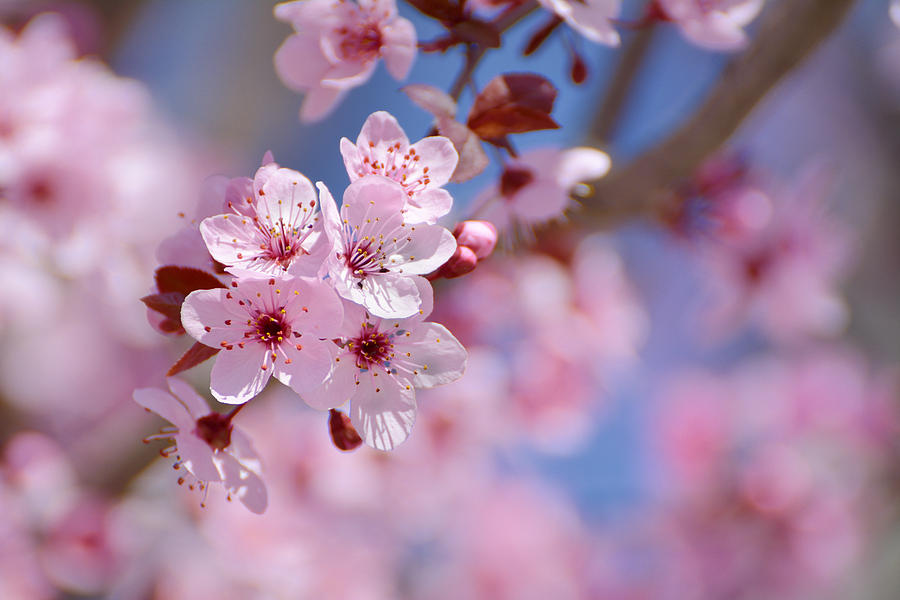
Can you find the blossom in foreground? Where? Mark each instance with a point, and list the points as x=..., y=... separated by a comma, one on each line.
x=336, y=46
x=714, y=24
x=265, y=327
x=381, y=364
x=207, y=445
x=535, y=187
x=377, y=259
x=423, y=168
x=592, y=18
x=273, y=229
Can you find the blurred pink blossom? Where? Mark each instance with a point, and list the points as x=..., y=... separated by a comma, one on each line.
x=336, y=45
x=713, y=24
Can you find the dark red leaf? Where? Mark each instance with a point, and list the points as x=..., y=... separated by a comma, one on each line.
x=343, y=434
x=477, y=32
x=195, y=355
x=171, y=326
x=167, y=304
x=184, y=280
x=513, y=103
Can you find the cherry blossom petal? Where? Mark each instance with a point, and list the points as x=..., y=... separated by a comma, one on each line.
x=383, y=410
x=431, y=247
x=399, y=47
x=308, y=368
x=226, y=239
x=319, y=101
x=315, y=309
x=196, y=455
x=381, y=130
x=348, y=74
x=300, y=63
x=428, y=206
x=165, y=405
x=388, y=296
x=185, y=392
x=238, y=375
x=337, y=388
x=243, y=484
x=578, y=165
x=204, y=309
x=439, y=155
x=438, y=357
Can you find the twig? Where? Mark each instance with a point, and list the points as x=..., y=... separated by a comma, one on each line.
x=474, y=52
x=618, y=89
x=790, y=30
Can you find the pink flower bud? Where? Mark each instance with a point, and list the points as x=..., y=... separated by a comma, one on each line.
x=463, y=261
x=479, y=236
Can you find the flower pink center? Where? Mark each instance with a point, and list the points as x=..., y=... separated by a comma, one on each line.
x=215, y=430
x=398, y=166
x=270, y=328
x=365, y=257
x=40, y=191
x=514, y=179
x=363, y=42
x=371, y=347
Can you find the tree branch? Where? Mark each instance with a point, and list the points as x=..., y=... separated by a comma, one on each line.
x=790, y=30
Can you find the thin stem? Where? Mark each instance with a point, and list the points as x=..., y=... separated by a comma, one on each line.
x=474, y=52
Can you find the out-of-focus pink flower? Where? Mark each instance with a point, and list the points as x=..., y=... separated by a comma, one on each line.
x=784, y=277
x=336, y=45
x=279, y=327
x=714, y=24
x=536, y=187
x=423, y=168
x=273, y=231
x=592, y=19
x=377, y=258
x=381, y=364
x=207, y=445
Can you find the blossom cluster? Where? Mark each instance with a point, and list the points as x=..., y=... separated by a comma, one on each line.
x=330, y=302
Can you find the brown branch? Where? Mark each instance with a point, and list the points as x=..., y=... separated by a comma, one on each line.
x=790, y=30
x=617, y=90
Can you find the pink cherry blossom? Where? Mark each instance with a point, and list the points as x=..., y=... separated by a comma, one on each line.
x=263, y=327
x=377, y=258
x=273, y=230
x=423, y=168
x=336, y=45
x=381, y=364
x=592, y=19
x=784, y=277
x=206, y=445
x=535, y=187
x=714, y=24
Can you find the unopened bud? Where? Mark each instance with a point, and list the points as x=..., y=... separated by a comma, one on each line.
x=463, y=261
x=343, y=434
x=479, y=236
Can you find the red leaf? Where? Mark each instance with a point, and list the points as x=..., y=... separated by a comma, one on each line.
x=195, y=355
x=513, y=103
x=167, y=304
x=184, y=280
x=343, y=434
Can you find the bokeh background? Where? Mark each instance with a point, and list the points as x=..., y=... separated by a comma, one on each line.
x=614, y=437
